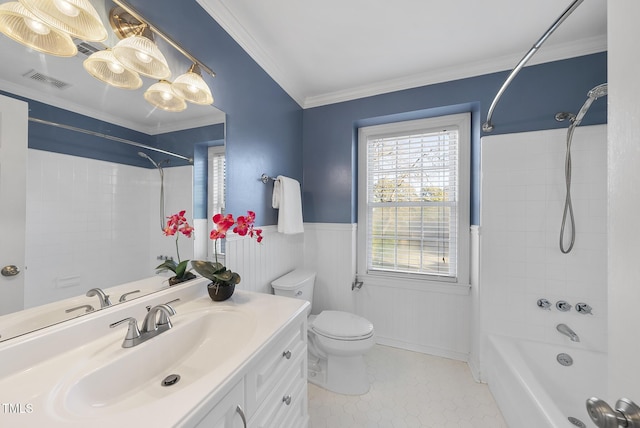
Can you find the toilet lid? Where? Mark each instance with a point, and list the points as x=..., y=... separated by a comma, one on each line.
x=342, y=325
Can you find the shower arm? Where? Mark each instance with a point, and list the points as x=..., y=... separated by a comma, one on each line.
x=488, y=126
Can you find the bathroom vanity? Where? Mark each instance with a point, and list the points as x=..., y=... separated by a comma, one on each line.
x=238, y=363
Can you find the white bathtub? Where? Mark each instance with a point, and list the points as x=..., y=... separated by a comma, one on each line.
x=533, y=390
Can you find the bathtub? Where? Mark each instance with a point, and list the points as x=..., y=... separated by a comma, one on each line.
x=533, y=390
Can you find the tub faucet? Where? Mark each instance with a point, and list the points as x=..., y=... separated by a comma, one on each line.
x=104, y=299
x=566, y=330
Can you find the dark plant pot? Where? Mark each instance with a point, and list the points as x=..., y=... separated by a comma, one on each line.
x=218, y=293
x=186, y=277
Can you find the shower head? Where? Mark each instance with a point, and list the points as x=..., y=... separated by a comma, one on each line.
x=144, y=155
x=592, y=95
x=598, y=91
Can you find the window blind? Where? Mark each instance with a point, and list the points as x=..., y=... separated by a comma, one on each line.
x=412, y=202
x=216, y=203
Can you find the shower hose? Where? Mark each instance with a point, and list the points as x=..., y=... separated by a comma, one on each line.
x=568, y=207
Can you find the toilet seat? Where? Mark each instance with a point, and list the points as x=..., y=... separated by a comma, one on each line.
x=342, y=326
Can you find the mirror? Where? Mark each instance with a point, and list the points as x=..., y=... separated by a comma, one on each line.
x=93, y=203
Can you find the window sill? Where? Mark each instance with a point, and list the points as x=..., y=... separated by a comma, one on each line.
x=398, y=282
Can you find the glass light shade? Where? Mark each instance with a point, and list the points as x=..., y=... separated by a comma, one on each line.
x=141, y=54
x=192, y=87
x=104, y=66
x=78, y=18
x=160, y=95
x=17, y=23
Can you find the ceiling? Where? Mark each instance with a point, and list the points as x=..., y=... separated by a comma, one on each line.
x=336, y=50
x=88, y=96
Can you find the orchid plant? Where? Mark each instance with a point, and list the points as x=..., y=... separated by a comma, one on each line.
x=217, y=272
x=177, y=224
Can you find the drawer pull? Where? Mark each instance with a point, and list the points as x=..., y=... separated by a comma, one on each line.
x=241, y=413
x=286, y=399
x=287, y=354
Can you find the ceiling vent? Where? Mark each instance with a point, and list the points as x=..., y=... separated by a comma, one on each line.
x=86, y=48
x=47, y=80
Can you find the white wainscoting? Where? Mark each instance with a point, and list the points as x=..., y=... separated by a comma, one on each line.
x=330, y=250
x=432, y=319
x=259, y=264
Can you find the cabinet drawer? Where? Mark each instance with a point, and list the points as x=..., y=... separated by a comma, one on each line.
x=274, y=362
x=288, y=400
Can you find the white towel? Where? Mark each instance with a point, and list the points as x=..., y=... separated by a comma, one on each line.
x=286, y=198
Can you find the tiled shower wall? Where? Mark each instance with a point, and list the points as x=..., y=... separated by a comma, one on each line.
x=95, y=224
x=523, y=193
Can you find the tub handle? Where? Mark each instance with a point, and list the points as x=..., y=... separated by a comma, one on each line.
x=626, y=414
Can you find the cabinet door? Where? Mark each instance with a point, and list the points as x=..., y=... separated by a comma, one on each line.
x=287, y=401
x=228, y=413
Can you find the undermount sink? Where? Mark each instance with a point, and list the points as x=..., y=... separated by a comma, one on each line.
x=114, y=379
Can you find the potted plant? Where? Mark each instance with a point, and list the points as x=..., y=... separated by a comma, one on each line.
x=177, y=224
x=223, y=280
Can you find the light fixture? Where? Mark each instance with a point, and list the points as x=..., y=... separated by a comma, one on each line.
x=137, y=50
x=78, y=18
x=104, y=66
x=192, y=87
x=17, y=23
x=160, y=95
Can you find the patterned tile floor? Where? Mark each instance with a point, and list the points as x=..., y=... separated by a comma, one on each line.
x=408, y=389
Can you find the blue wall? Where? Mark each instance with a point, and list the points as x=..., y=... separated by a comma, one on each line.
x=263, y=123
x=530, y=103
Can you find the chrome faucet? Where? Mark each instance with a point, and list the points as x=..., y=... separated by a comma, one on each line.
x=152, y=325
x=104, y=299
x=566, y=330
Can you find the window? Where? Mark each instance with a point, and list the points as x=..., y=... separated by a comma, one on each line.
x=216, y=201
x=413, y=217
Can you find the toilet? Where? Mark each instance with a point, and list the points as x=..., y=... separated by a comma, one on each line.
x=337, y=340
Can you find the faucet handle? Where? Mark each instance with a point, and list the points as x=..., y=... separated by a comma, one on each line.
x=544, y=304
x=123, y=298
x=133, y=332
x=584, y=309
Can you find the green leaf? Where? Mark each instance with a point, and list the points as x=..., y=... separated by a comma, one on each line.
x=216, y=272
x=181, y=269
x=207, y=268
x=167, y=265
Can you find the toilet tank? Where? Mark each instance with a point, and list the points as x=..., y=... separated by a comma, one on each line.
x=297, y=284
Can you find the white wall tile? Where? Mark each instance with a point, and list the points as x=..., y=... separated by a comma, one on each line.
x=520, y=258
x=94, y=224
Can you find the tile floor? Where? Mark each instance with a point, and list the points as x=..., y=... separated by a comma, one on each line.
x=408, y=389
